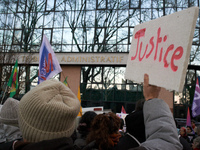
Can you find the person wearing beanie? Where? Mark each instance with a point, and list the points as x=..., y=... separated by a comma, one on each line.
x=47, y=115
x=9, y=120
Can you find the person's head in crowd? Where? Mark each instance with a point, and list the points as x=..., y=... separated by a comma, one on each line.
x=9, y=112
x=183, y=132
x=9, y=121
x=193, y=123
x=48, y=111
x=85, y=122
x=139, y=104
x=105, y=131
x=196, y=143
x=189, y=130
x=135, y=122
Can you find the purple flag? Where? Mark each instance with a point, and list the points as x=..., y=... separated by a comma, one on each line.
x=188, y=123
x=196, y=101
x=48, y=63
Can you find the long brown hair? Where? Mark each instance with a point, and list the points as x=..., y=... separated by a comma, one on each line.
x=104, y=131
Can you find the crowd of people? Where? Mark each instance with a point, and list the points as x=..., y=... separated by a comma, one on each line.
x=45, y=118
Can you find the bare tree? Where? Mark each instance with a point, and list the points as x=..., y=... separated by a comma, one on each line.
x=97, y=32
x=22, y=33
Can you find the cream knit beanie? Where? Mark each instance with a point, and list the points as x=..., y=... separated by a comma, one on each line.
x=8, y=112
x=48, y=111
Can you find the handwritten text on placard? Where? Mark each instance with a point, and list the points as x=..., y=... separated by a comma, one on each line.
x=154, y=42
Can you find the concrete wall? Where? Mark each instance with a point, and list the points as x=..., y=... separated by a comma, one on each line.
x=73, y=74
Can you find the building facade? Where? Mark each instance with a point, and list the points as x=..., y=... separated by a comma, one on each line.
x=85, y=27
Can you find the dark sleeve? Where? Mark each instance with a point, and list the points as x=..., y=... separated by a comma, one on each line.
x=6, y=146
x=186, y=145
x=54, y=144
x=138, y=148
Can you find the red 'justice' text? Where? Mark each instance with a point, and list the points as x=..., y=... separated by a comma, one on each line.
x=177, y=53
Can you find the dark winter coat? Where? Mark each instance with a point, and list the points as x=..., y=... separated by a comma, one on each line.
x=55, y=144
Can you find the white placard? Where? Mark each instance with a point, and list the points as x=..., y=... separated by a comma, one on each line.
x=161, y=48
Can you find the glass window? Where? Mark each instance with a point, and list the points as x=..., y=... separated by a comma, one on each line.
x=146, y=15
x=66, y=48
x=91, y=4
x=48, y=20
x=157, y=4
x=37, y=37
x=119, y=75
x=122, y=48
x=100, y=36
x=2, y=8
x=101, y=17
x=48, y=33
x=169, y=11
x=157, y=13
x=101, y=4
x=135, y=3
x=198, y=22
x=75, y=48
x=41, y=5
x=18, y=20
x=58, y=20
x=60, y=5
x=78, y=18
x=78, y=35
x=90, y=35
x=108, y=76
x=56, y=48
x=134, y=20
x=90, y=18
x=193, y=3
x=12, y=7
x=122, y=18
x=17, y=48
x=10, y=21
x=68, y=19
x=80, y=4
x=67, y=36
x=196, y=37
x=131, y=30
x=146, y=3
x=122, y=37
x=50, y=5
x=57, y=36
x=1, y=37
x=39, y=23
x=21, y=5
x=71, y=5
x=17, y=37
x=170, y=3
x=96, y=75
x=182, y=3
x=2, y=21
x=8, y=37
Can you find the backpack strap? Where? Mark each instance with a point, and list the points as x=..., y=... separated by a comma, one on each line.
x=133, y=138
